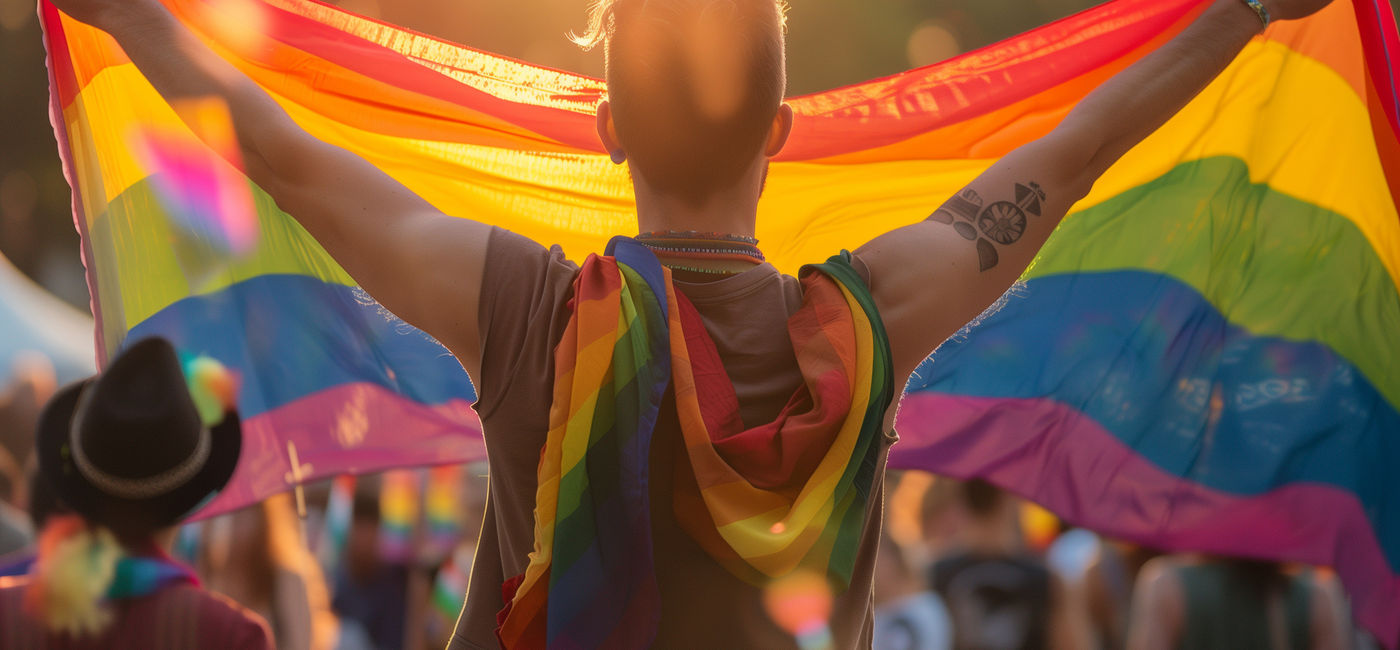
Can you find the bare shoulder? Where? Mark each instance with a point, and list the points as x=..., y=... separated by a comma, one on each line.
x=1158, y=605
x=920, y=284
x=1159, y=576
x=1327, y=612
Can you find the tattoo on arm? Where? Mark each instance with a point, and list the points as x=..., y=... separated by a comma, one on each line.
x=1002, y=222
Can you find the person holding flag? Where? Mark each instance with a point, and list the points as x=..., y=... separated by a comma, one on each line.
x=713, y=425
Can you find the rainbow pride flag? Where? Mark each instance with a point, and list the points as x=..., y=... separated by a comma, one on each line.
x=1205, y=357
x=444, y=512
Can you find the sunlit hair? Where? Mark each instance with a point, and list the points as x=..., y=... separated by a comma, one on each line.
x=694, y=85
x=601, y=24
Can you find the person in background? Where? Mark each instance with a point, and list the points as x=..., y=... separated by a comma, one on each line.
x=1213, y=603
x=450, y=579
x=31, y=384
x=1107, y=587
x=1000, y=596
x=16, y=532
x=939, y=519
x=131, y=454
x=370, y=591
x=908, y=616
x=42, y=505
x=256, y=557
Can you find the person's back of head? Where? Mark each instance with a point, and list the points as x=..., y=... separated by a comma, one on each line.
x=981, y=499
x=40, y=502
x=129, y=453
x=693, y=85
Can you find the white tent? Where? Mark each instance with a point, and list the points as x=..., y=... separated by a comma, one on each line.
x=34, y=320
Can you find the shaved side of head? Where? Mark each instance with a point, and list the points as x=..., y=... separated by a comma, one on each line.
x=694, y=86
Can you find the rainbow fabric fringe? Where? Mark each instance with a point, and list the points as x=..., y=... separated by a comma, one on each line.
x=590, y=581
x=1204, y=357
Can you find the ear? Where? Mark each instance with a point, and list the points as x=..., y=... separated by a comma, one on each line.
x=782, y=128
x=607, y=133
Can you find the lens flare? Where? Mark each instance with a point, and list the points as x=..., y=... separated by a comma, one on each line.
x=932, y=41
x=197, y=179
x=1040, y=526
x=239, y=24
x=800, y=603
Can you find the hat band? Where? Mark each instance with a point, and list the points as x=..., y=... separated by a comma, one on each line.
x=139, y=488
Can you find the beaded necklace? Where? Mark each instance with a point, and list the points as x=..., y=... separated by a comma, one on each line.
x=732, y=254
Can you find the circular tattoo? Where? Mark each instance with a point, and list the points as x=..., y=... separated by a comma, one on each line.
x=1004, y=222
x=966, y=230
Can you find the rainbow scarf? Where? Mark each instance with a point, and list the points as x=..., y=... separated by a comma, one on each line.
x=1202, y=359
x=762, y=513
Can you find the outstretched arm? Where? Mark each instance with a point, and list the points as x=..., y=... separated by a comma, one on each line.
x=424, y=266
x=975, y=246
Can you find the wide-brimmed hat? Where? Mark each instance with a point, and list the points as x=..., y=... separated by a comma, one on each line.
x=126, y=449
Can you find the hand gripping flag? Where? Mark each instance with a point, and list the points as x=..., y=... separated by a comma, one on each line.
x=1206, y=356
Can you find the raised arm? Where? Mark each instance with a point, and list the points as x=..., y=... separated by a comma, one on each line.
x=424, y=266
x=931, y=278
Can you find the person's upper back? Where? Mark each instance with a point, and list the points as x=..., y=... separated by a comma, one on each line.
x=523, y=314
x=995, y=601
x=1224, y=610
x=178, y=617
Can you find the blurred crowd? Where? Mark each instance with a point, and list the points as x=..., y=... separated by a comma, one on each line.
x=358, y=563
x=381, y=562
x=964, y=564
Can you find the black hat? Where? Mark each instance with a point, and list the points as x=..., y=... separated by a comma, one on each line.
x=127, y=450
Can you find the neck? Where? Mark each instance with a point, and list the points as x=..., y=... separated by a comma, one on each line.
x=159, y=542
x=732, y=210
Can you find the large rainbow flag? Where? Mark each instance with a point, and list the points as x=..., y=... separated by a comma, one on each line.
x=1206, y=356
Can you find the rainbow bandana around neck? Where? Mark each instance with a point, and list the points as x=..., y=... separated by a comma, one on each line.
x=765, y=501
